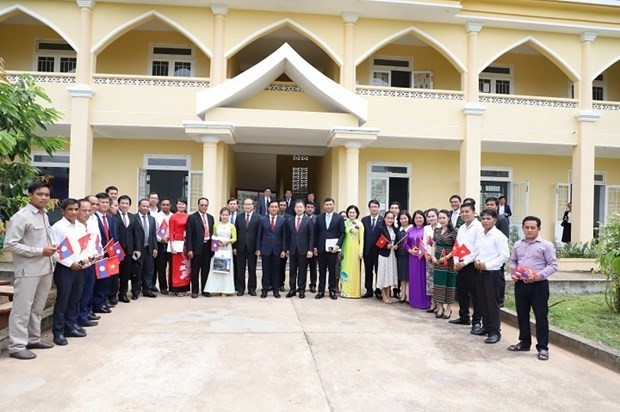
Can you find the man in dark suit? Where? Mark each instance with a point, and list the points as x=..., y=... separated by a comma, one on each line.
x=372, y=224
x=198, y=233
x=245, y=247
x=263, y=202
x=108, y=232
x=282, y=212
x=290, y=202
x=312, y=261
x=145, y=251
x=300, y=248
x=125, y=223
x=329, y=238
x=271, y=246
x=311, y=199
x=504, y=208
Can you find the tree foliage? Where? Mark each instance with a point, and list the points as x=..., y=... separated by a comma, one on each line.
x=22, y=119
x=609, y=260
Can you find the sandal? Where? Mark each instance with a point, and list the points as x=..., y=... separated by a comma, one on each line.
x=448, y=315
x=180, y=294
x=543, y=355
x=519, y=347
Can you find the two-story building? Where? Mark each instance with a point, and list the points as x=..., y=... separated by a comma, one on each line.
x=394, y=100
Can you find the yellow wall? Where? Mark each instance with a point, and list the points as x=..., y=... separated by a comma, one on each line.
x=326, y=177
x=445, y=75
x=18, y=53
x=130, y=54
x=613, y=82
x=277, y=100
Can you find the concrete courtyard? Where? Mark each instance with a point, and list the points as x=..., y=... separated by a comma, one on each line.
x=252, y=354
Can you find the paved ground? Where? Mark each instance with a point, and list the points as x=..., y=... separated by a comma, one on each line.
x=240, y=354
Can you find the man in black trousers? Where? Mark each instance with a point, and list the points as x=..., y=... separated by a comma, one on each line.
x=271, y=247
x=198, y=233
x=372, y=224
x=282, y=212
x=145, y=251
x=312, y=262
x=300, y=249
x=329, y=238
x=245, y=247
x=125, y=223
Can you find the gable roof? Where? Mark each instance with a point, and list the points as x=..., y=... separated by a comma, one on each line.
x=242, y=87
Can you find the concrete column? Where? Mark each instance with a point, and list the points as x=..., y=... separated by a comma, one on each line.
x=81, y=136
x=210, y=188
x=218, y=61
x=584, y=153
x=352, y=168
x=471, y=147
x=347, y=73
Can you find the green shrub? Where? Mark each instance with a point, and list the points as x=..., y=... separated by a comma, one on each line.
x=608, y=250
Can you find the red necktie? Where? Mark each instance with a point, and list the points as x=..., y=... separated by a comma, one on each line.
x=247, y=220
x=273, y=223
x=106, y=229
x=298, y=223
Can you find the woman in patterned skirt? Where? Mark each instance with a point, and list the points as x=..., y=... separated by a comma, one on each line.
x=429, y=231
x=445, y=275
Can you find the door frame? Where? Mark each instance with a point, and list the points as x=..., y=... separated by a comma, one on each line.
x=386, y=175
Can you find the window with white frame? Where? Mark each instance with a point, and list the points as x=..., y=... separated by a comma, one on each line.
x=172, y=60
x=599, y=88
x=55, y=56
x=496, y=79
x=391, y=71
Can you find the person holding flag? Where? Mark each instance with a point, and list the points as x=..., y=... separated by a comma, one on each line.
x=124, y=222
x=417, y=264
x=429, y=231
x=89, y=254
x=68, y=275
x=162, y=221
x=108, y=232
x=464, y=265
x=444, y=276
x=387, y=272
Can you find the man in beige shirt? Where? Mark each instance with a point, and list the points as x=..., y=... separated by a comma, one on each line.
x=28, y=239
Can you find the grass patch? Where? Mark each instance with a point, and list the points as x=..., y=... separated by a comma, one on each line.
x=584, y=315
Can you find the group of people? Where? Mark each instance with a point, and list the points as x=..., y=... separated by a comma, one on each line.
x=426, y=259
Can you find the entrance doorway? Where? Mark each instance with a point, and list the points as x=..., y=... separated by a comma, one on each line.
x=169, y=176
x=389, y=182
x=168, y=183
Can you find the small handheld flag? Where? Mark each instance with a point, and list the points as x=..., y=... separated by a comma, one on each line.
x=112, y=265
x=381, y=242
x=98, y=247
x=421, y=249
x=163, y=229
x=460, y=251
x=109, y=248
x=215, y=245
x=65, y=249
x=101, y=270
x=443, y=256
x=118, y=251
x=83, y=241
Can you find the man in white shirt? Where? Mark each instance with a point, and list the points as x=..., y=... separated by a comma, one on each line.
x=466, y=276
x=85, y=216
x=492, y=254
x=163, y=256
x=68, y=275
x=153, y=203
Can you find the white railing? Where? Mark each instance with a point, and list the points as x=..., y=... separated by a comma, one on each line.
x=39, y=77
x=132, y=80
x=606, y=106
x=528, y=100
x=409, y=93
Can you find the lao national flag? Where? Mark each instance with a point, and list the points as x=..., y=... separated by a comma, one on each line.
x=83, y=241
x=65, y=249
x=163, y=229
x=515, y=272
x=101, y=269
x=98, y=247
x=118, y=251
x=421, y=249
x=215, y=245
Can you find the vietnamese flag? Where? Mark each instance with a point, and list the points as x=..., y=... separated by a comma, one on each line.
x=381, y=242
x=83, y=241
x=65, y=249
x=105, y=268
x=460, y=251
x=109, y=248
x=118, y=251
x=112, y=265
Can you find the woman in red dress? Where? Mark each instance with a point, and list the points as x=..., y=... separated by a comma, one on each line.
x=180, y=269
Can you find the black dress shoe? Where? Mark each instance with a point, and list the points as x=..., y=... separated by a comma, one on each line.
x=40, y=345
x=60, y=340
x=92, y=316
x=75, y=333
x=206, y=294
x=459, y=321
x=302, y=294
x=519, y=347
x=276, y=294
x=290, y=294
x=239, y=293
x=332, y=294
x=493, y=338
x=124, y=299
x=79, y=329
x=252, y=293
x=149, y=294
x=319, y=295
x=378, y=294
x=154, y=289
x=282, y=289
x=479, y=330
x=263, y=295
x=194, y=295
x=135, y=296
x=103, y=309
x=367, y=295
x=164, y=292
x=113, y=302
x=88, y=323
x=312, y=289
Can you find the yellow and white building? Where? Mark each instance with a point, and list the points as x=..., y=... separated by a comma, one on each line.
x=393, y=99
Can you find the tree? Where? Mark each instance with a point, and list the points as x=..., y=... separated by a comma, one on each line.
x=609, y=259
x=22, y=118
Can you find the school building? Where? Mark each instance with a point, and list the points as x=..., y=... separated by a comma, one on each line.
x=394, y=99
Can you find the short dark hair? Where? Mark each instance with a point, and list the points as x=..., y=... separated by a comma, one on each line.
x=489, y=212
x=222, y=210
x=501, y=197
x=144, y=199
x=68, y=202
x=231, y=199
x=153, y=193
x=469, y=205
x=274, y=201
x=354, y=208
x=303, y=202
x=310, y=204
x=532, y=219
x=124, y=197
x=373, y=202
x=202, y=198
x=267, y=188
x=165, y=198
x=102, y=195
x=182, y=200
x=83, y=200
x=395, y=203
x=282, y=200
x=329, y=199
x=34, y=186
x=109, y=188
x=421, y=213
x=469, y=200
x=492, y=199
x=404, y=213
x=455, y=196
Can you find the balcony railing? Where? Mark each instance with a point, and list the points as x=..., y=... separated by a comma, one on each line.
x=39, y=77
x=606, y=106
x=409, y=93
x=133, y=80
x=528, y=100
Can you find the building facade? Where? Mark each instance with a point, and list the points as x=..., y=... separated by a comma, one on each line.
x=394, y=100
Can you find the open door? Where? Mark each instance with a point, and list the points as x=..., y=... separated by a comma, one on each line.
x=612, y=205
x=562, y=197
x=520, y=204
x=194, y=189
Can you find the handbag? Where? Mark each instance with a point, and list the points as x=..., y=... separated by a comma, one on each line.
x=177, y=246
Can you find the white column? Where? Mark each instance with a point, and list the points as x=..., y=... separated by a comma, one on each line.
x=352, y=168
x=347, y=73
x=471, y=147
x=218, y=61
x=209, y=169
x=584, y=153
